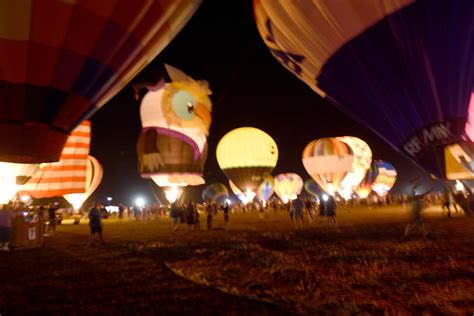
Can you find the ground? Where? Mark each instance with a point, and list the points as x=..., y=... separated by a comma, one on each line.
x=261, y=266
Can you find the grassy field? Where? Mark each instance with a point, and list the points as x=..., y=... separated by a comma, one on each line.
x=261, y=266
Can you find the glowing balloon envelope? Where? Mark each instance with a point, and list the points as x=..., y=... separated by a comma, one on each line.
x=327, y=161
x=172, y=147
x=365, y=186
x=386, y=177
x=288, y=186
x=13, y=176
x=360, y=165
x=245, y=155
x=68, y=175
x=384, y=63
x=266, y=188
x=62, y=60
x=94, y=177
x=215, y=192
x=312, y=188
x=244, y=198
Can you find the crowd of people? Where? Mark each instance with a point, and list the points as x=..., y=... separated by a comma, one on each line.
x=302, y=211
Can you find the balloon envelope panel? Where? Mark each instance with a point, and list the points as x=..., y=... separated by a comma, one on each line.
x=215, y=192
x=176, y=115
x=62, y=60
x=288, y=186
x=394, y=66
x=327, y=161
x=246, y=155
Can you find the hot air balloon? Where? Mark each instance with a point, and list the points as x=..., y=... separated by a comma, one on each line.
x=288, y=186
x=172, y=146
x=62, y=60
x=459, y=162
x=385, y=179
x=244, y=198
x=245, y=155
x=327, y=161
x=394, y=66
x=312, y=188
x=266, y=188
x=215, y=192
x=12, y=178
x=365, y=186
x=75, y=176
x=93, y=179
x=361, y=163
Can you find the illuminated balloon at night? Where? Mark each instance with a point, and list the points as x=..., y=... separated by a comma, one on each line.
x=403, y=68
x=360, y=165
x=60, y=61
x=172, y=147
x=75, y=176
x=288, y=186
x=94, y=177
x=13, y=176
x=327, y=161
x=459, y=161
x=312, y=188
x=385, y=179
x=215, y=192
x=245, y=155
x=244, y=198
x=365, y=186
x=266, y=188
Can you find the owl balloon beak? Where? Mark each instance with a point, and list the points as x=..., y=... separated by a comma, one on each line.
x=203, y=112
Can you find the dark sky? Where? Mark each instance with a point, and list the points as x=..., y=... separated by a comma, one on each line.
x=221, y=44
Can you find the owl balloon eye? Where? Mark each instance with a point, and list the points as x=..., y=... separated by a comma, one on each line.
x=183, y=104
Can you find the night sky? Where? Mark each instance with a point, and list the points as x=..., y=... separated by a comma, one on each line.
x=221, y=44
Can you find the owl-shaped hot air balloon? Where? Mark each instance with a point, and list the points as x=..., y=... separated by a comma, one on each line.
x=172, y=146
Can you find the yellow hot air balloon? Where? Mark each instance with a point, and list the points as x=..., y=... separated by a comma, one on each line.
x=246, y=155
x=328, y=160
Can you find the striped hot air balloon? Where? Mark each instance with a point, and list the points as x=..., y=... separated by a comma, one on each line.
x=93, y=179
x=62, y=60
x=69, y=174
x=386, y=177
x=328, y=160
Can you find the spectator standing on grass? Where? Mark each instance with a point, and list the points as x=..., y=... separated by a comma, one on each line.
x=190, y=216
x=52, y=219
x=296, y=207
x=331, y=206
x=196, y=218
x=175, y=215
x=95, y=224
x=6, y=217
x=226, y=216
x=120, y=212
x=210, y=213
x=416, y=220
